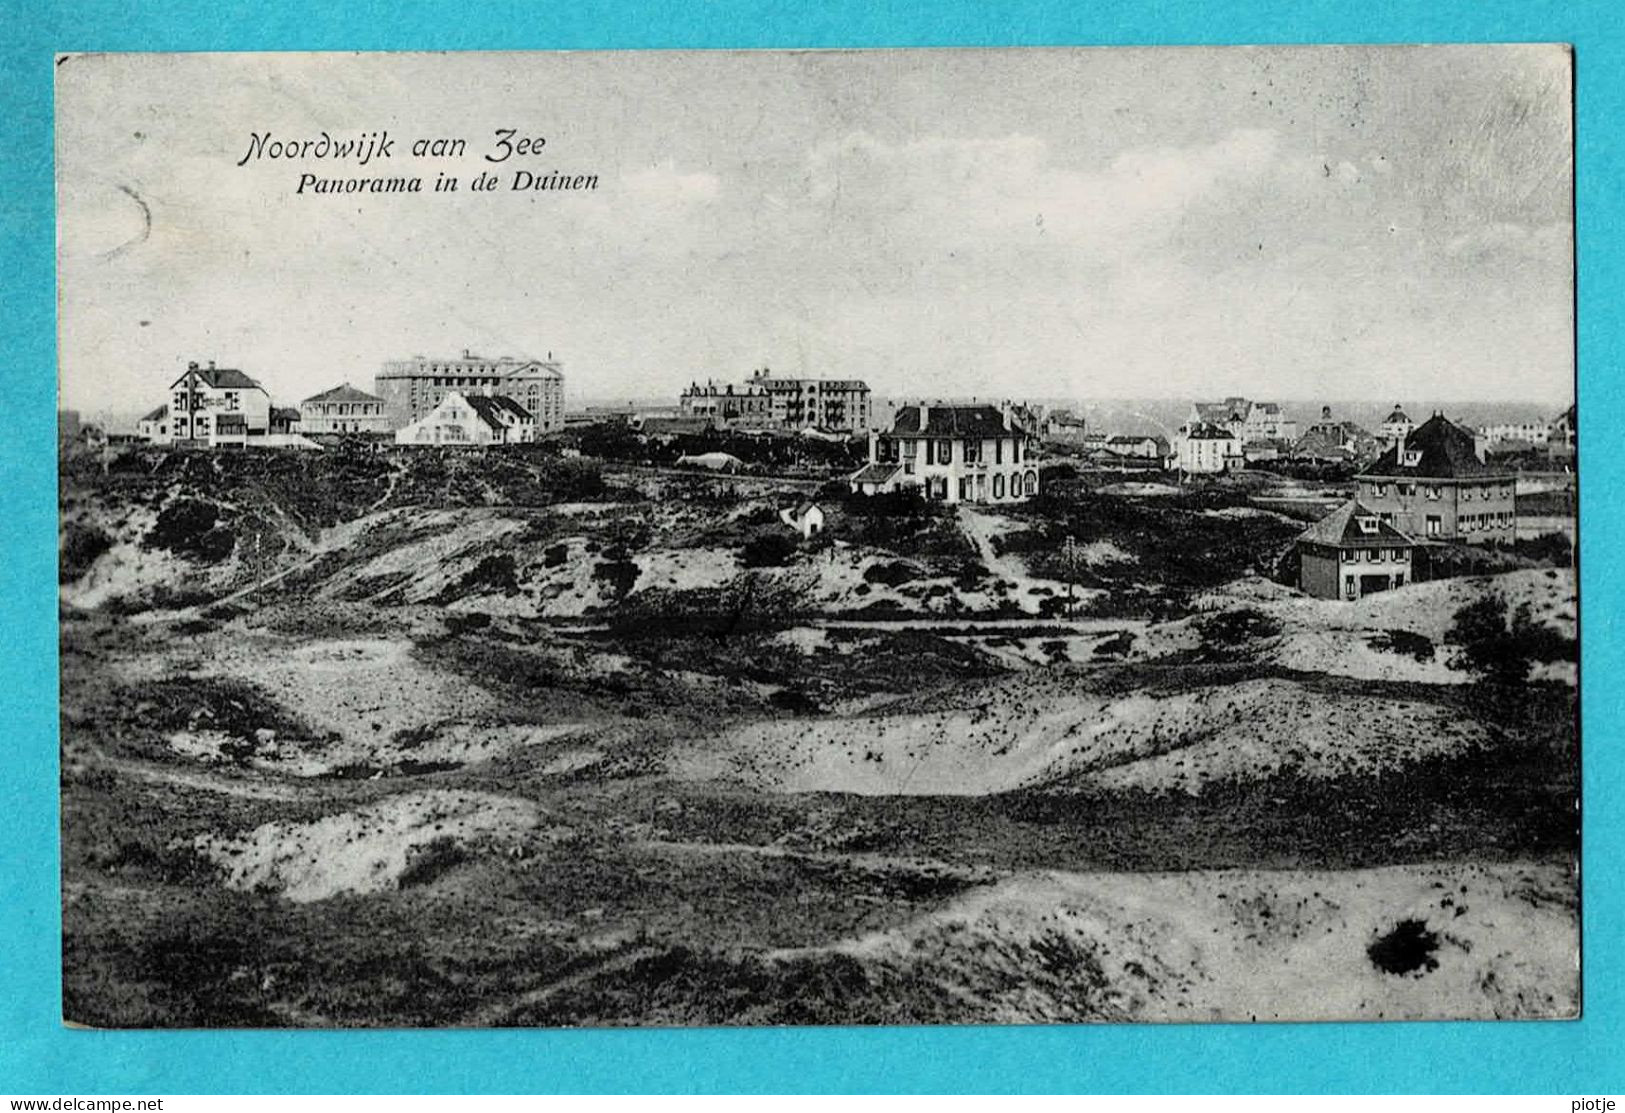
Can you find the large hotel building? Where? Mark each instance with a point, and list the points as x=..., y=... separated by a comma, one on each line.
x=412, y=387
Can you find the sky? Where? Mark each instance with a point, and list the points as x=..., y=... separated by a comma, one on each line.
x=1291, y=223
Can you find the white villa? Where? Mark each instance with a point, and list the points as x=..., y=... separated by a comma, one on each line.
x=955, y=453
x=209, y=405
x=1203, y=448
x=344, y=409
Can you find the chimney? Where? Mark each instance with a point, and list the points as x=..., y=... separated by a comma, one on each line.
x=925, y=414
x=211, y=365
x=192, y=366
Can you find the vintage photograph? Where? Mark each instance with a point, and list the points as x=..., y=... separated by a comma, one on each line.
x=818, y=537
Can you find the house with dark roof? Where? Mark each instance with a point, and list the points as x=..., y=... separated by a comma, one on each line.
x=1433, y=485
x=344, y=409
x=1351, y=553
x=1207, y=448
x=954, y=453
x=1330, y=440
x=205, y=396
x=475, y=419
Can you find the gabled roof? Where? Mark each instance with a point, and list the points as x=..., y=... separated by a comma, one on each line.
x=1124, y=439
x=1446, y=451
x=1342, y=527
x=220, y=378
x=875, y=473
x=157, y=415
x=492, y=408
x=1207, y=431
x=343, y=393
x=1231, y=409
x=954, y=421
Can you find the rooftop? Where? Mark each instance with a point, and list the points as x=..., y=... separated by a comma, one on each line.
x=954, y=421
x=219, y=378
x=1354, y=523
x=344, y=392
x=1436, y=449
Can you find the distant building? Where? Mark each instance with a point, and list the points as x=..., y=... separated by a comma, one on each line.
x=1560, y=435
x=1434, y=486
x=208, y=404
x=476, y=419
x=411, y=388
x=344, y=409
x=284, y=420
x=954, y=453
x=1332, y=440
x=1204, y=448
x=837, y=405
x=1246, y=420
x=1515, y=434
x=1142, y=447
x=1065, y=427
x=1351, y=553
x=154, y=425
x=805, y=518
x=748, y=405
x=1396, y=426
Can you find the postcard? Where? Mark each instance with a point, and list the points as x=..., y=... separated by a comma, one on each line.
x=818, y=537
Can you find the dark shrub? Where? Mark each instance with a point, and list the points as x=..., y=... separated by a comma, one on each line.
x=555, y=555
x=770, y=550
x=1418, y=646
x=431, y=860
x=496, y=572
x=891, y=573
x=467, y=623
x=619, y=575
x=81, y=545
x=1118, y=645
x=1229, y=631
x=1500, y=650
x=189, y=527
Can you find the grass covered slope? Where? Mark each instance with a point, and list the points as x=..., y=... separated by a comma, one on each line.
x=484, y=740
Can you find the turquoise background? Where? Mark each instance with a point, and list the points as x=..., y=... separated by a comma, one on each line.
x=38, y=1056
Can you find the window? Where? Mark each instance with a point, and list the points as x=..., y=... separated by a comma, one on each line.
x=1413, y=457
x=1367, y=523
x=973, y=451
x=1433, y=525
x=1433, y=493
x=998, y=451
x=998, y=485
x=1348, y=586
x=1381, y=490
